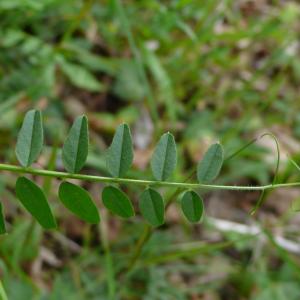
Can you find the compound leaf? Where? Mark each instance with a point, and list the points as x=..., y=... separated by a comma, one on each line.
x=120, y=152
x=164, y=158
x=76, y=146
x=192, y=206
x=78, y=201
x=152, y=207
x=209, y=167
x=117, y=202
x=2, y=222
x=30, y=138
x=34, y=200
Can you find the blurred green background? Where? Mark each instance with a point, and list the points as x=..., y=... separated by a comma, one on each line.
x=207, y=71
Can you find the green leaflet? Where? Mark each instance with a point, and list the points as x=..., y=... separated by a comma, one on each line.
x=192, y=206
x=2, y=222
x=76, y=146
x=34, y=200
x=78, y=201
x=120, y=152
x=164, y=158
x=209, y=167
x=152, y=207
x=30, y=138
x=117, y=202
x=81, y=77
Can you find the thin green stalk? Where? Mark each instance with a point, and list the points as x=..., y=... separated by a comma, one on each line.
x=109, y=266
x=93, y=178
x=265, y=193
x=240, y=150
x=145, y=236
x=278, y=154
x=259, y=203
x=191, y=251
x=3, y=295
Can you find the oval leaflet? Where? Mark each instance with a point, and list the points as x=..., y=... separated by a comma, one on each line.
x=192, y=206
x=78, y=201
x=30, y=138
x=209, y=167
x=152, y=207
x=34, y=200
x=120, y=152
x=75, y=149
x=164, y=158
x=117, y=202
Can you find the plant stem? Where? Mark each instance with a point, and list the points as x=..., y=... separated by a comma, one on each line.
x=109, y=265
x=93, y=178
x=3, y=295
x=146, y=234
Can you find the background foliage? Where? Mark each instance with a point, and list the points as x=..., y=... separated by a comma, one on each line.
x=206, y=71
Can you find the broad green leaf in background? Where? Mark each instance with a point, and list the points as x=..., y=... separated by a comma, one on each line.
x=164, y=158
x=117, y=202
x=34, y=200
x=76, y=146
x=2, y=222
x=30, y=138
x=128, y=84
x=192, y=206
x=78, y=201
x=120, y=152
x=93, y=62
x=81, y=77
x=152, y=207
x=210, y=165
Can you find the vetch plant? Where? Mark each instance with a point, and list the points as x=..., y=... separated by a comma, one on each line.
x=119, y=160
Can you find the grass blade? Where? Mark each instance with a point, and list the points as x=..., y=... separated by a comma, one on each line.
x=2, y=222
